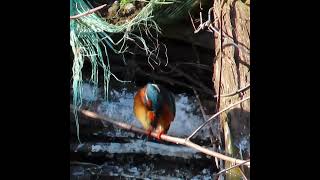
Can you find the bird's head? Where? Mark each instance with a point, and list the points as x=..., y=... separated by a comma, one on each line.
x=152, y=96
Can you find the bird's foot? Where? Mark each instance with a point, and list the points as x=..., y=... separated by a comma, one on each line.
x=149, y=131
x=159, y=136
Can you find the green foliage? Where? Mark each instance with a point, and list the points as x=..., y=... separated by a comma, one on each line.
x=124, y=2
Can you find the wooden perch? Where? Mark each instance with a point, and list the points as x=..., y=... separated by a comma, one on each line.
x=164, y=137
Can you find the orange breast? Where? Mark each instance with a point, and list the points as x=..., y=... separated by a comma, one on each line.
x=140, y=110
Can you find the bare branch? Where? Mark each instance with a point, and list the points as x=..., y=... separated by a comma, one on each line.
x=204, y=119
x=172, y=81
x=234, y=166
x=221, y=57
x=194, y=27
x=225, y=35
x=243, y=175
x=198, y=65
x=199, y=102
x=215, y=115
x=190, y=78
x=88, y=12
x=234, y=93
x=208, y=24
x=164, y=137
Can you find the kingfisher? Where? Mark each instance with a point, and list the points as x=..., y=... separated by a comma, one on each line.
x=154, y=106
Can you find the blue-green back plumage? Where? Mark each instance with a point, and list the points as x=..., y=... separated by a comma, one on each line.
x=159, y=96
x=153, y=94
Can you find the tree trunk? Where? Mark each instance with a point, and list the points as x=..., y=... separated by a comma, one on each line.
x=234, y=67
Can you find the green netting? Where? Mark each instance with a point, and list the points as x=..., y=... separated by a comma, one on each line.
x=88, y=34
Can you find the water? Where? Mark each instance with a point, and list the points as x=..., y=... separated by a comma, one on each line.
x=187, y=118
x=156, y=164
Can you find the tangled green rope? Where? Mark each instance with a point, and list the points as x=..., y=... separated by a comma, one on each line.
x=90, y=33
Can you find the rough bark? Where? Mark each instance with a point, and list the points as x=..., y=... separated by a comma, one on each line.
x=235, y=64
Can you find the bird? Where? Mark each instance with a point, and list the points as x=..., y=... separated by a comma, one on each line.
x=154, y=106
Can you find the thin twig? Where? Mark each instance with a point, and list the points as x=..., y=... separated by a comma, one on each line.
x=225, y=35
x=194, y=27
x=200, y=66
x=191, y=79
x=178, y=63
x=164, y=137
x=172, y=81
x=204, y=119
x=208, y=24
x=199, y=102
x=221, y=57
x=88, y=12
x=234, y=166
x=212, y=117
x=243, y=175
x=234, y=93
x=220, y=75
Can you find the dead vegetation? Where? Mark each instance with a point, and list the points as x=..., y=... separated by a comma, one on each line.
x=119, y=14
